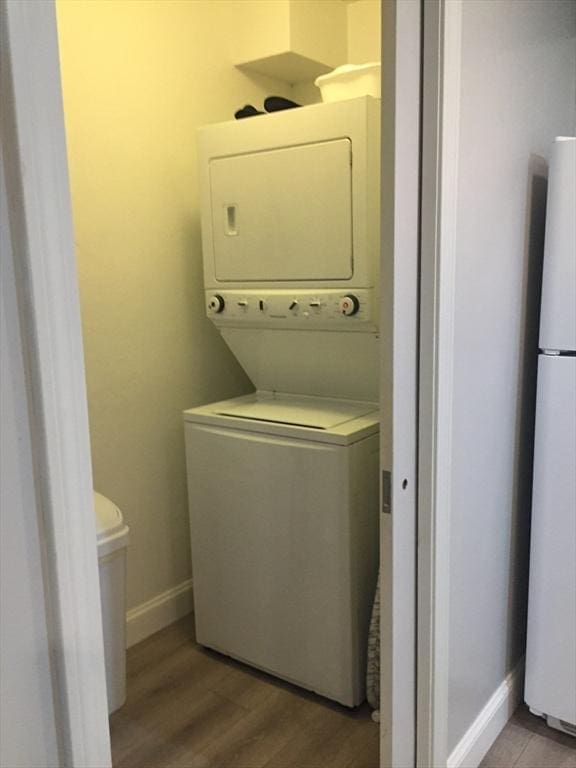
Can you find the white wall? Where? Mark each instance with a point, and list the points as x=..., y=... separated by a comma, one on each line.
x=27, y=718
x=517, y=92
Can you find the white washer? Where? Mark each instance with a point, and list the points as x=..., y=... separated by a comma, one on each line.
x=283, y=496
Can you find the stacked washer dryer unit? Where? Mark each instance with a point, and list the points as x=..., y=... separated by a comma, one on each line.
x=283, y=483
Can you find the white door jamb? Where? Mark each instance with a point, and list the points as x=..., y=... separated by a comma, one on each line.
x=34, y=151
x=401, y=76
x=440, y=135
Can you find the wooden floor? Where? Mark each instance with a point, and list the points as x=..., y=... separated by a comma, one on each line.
x=527, y=742
x=191, y=708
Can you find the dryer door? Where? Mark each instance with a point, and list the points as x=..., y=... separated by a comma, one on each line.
x=283, y=214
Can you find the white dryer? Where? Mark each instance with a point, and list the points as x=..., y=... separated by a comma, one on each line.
x=284, y=524
x=291, y=245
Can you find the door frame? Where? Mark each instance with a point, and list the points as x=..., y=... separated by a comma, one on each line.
x=400, y=214
x=33, y=141
x=420, y=288
x=40, y=221
x=441, y=58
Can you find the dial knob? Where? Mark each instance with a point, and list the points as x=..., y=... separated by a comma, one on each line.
x=349, y=305
x=216, y=303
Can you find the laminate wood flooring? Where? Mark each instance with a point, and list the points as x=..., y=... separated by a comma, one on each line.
x=188, y=707
x=527, y=742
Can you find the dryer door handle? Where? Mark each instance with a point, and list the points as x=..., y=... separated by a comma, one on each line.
x=231, y=220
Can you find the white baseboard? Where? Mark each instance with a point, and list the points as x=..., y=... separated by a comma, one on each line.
x=159, y=612
x=472, y=747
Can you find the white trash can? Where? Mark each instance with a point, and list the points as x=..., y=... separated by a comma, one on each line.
x=112, y=543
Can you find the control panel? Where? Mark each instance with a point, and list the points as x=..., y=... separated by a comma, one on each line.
x=322, y=310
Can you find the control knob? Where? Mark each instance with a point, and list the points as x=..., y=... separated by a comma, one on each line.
x=216, y=303
x=349, y=305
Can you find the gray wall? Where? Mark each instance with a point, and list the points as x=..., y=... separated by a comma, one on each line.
x=517, y=93
x=27, y=720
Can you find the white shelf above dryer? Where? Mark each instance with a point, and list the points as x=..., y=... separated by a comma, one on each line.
x=293, y=41
x=288, y=66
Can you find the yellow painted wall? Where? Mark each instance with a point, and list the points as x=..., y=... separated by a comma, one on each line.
x=363, y=25
x=318, y=29
x=138, y=78
x=267, y=31
x=364, y=31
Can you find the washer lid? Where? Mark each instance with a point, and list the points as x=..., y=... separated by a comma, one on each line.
x=298, y=412
x=298, y=417
x=109, y=519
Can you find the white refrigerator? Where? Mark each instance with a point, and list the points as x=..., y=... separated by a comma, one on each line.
x=550, y=688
